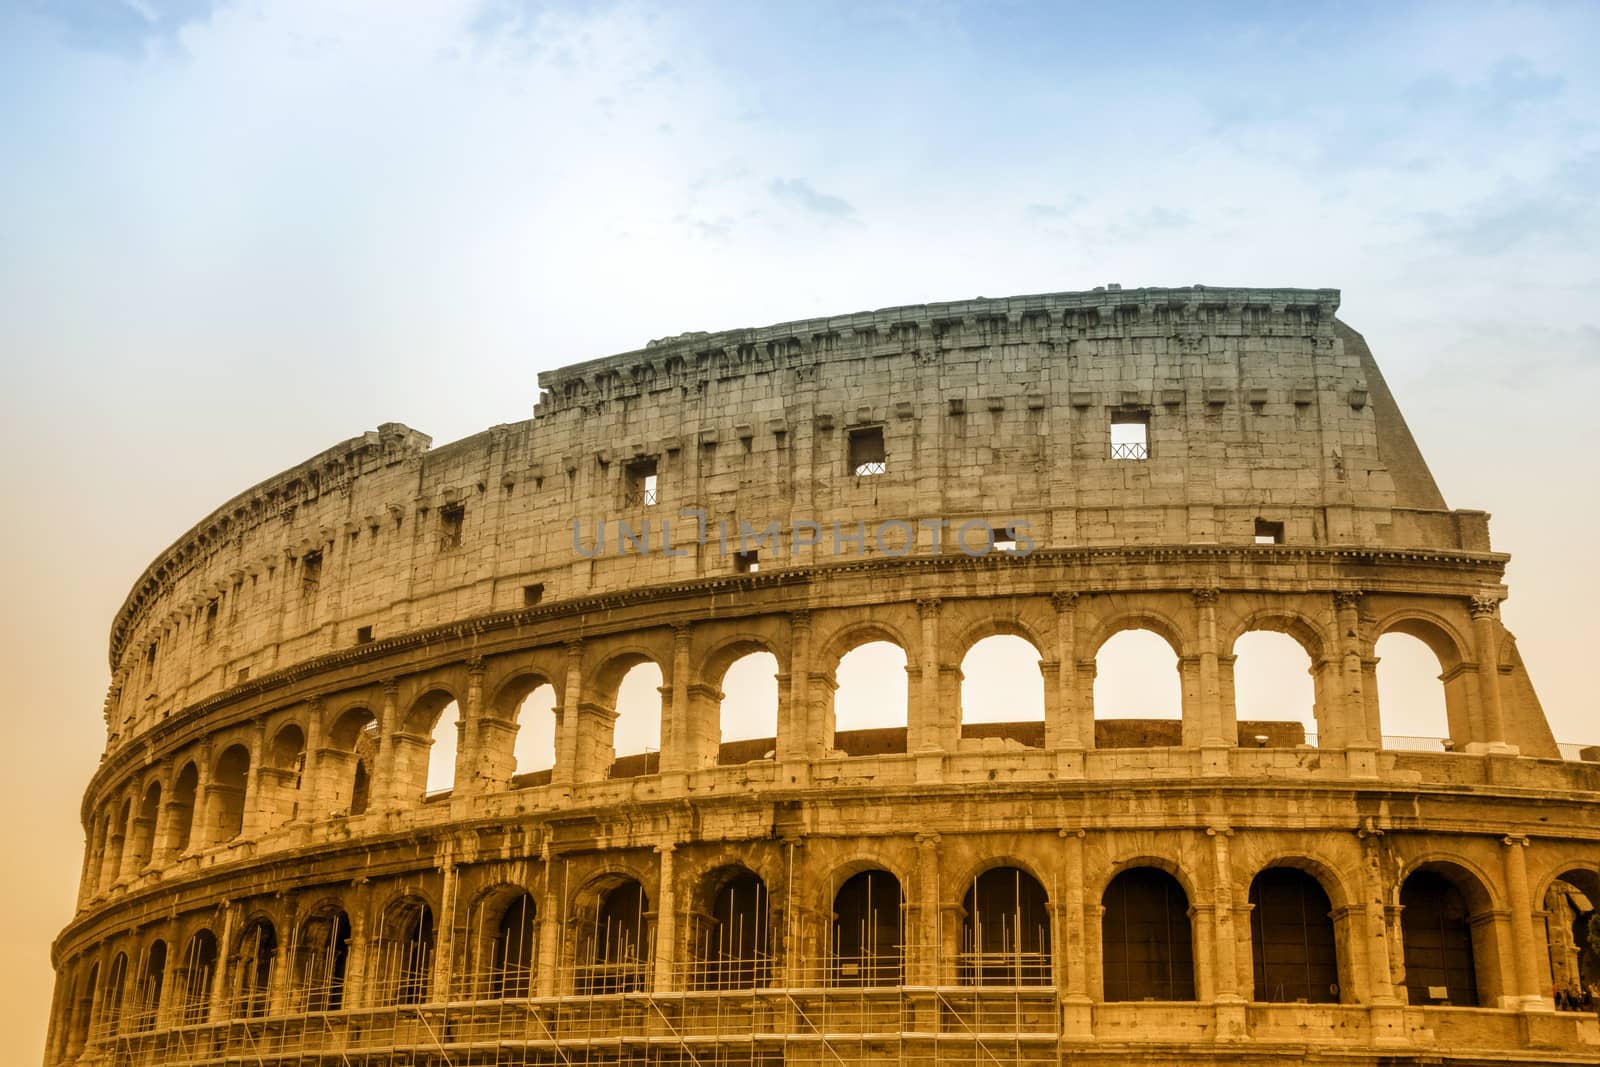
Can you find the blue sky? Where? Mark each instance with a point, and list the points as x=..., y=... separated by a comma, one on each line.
x=232, y=234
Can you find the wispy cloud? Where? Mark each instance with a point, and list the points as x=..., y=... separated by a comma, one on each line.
x=799, y=192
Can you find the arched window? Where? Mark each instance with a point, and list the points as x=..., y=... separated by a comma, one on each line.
x=1411, y=694
x=614, y=953
x=1274, y=695
x=636, y=734
x=84, y=1015
x=1147, y=947
x=749, y=710
x=515, y=945
x=868, y=930
x=183, y=797
x=732, y=948
x=281, y=784
x=199, y=965
x=318, y=954
x=404, y=951
x=144, y=841
x=111, y=1002
x=116, y=830
x=227, y=793
x=1138, y=692
x=441, y=752
x=869, y=706
x=344, y=765
x=149, y=988
x=360, y=789
x=1436, y=923
x=1005, y=933
x=1002, y=691
x=258, y=947
x=534, y=750
x=1292, y=942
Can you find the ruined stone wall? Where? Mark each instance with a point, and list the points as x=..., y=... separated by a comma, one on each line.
x=279, y=672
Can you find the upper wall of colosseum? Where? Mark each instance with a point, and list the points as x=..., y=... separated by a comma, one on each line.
x=1256, y=410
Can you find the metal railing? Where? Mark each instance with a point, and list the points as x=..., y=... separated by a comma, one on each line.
x=1130, y=450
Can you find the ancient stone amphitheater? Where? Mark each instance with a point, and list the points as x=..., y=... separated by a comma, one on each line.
x=268, y=880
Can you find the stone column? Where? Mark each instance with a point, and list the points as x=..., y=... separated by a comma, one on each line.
x=445, y=923
x=200, y=826
x=1226, y=956
x=1078, y=1013
x=1357, y=716
x=926, y=966
x=1530, y=985
x=254, y=818
x=1213, y=742
x=678, y=726
x=1063, y=723
x=666, y=949
x=383, y=790
x=217, y=1009
x=565, y=773
x=1486, y=636
x=793, y=713
x=306, y=805
x=549, y=915
x=931, y=726
x=470, y=731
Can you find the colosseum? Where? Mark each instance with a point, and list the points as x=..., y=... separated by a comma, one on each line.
x=269, y=880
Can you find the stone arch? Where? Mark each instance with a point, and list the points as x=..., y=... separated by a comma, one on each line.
x=1007, y=929
x=857, y=738
x=503, y=943
x=194, y=973
x=615, y=933
x=730, y=939
x=1186, y=877
x=150, y=984
x=254, y=958
x=1147, y=939
x=423, y=749
x=400, y=951
x=1452, y=651
x=1020, y=656
x=852, y=635
x=1301, y=632
x=1136, y=618
x=345, y=765
x=866, y=936
x=1113, y=727
x=318, y=954
x=1569, y=898
x=1295, y=935
x=279, y=779
x=230, y=778
x=1449, y=938
x=111, y=1000
x=116, y=838
x=149, y=817
x=509, y=735
x=600, y=717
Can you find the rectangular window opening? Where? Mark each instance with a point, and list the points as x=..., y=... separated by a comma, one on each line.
x=867, y=456
x=451, y=518
x=1130, y=435
x=747, y=562
x=310, y=572
x=363, y=634
x=1005, y=539
x=532, y=594
x=1269, y=533
x=643, y=485
x=244, y=674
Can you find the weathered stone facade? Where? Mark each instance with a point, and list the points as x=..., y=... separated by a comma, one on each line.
x=266, y=882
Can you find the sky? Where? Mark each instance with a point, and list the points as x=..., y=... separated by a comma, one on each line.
x=234, y=233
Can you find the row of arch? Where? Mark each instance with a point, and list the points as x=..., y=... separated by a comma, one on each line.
x=728, y=936
x=361, y=752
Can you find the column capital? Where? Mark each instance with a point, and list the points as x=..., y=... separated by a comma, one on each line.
x=1347, y=598
x=1513, y=840
x=682, y=630
x=800, y=621
x=391, y=686
x=666, y=848
x=1224, y=832
x=475, y=666
x=927, y=840
x=1206, y=596
x=928, y=607
x=1064, y=601
x=1484, y=606
x=573, y=645
x=1078, y=832
x=316, y=702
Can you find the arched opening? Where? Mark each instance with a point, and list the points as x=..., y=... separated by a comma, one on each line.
x=227, y=790
x=440, y=754
x=749, y=708
x=404, y=952
x=83, y=1021
x=350, y=753
x=144, y=832
x=731, y=940
x=868, y=931
x=1138, y=692
x=1572, y=934
x=1411, y=695
x=614, y=947
x=869, y=705
x=115, y=836
x=198, y=967
x=148, y=992
x=513, y=950
x=636, y=732
x=1146, y=943
x=1442, y=955
x=280, y=778
x=182, y=811
x=318, y=955
x=1005, y=930
x=258, y=948
x=111, y=1002
x=1274, y=694
x=1292, y=939
x=1002, y=691
x=534, y=752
